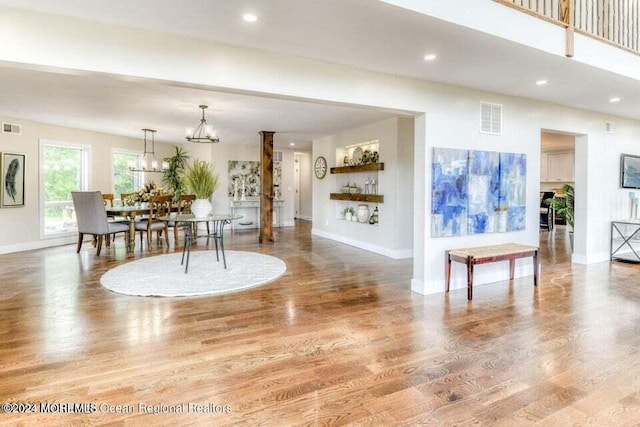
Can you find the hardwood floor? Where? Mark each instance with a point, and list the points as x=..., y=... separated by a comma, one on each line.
x=338, y=340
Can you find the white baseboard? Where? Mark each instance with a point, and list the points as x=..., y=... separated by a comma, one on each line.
x=395, y=254
x=305, y=217
x=590, y=258
x=417, y=286
x=38, y=244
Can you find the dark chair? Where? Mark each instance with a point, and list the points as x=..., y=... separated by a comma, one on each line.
x=92, y=218
x=546, y=210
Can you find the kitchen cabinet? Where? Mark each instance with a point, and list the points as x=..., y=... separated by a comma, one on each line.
x=557, y=167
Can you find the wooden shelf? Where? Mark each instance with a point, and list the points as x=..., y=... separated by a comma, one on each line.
x=359, y=168
x=370, y=198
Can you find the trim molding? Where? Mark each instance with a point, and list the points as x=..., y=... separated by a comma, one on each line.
x=395, y=254
x=305, y=217
x=38, y=244
x=592, y=258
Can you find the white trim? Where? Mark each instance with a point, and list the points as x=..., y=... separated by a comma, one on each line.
x=417, y=286
x=592, y=258
x=395, y=254
x=288, y=223
x=304, y=217
x=38, y=244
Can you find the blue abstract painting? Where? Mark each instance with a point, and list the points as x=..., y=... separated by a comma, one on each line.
x=475, y=192
x=513, y=189
x=484, y=187
x=449, y=192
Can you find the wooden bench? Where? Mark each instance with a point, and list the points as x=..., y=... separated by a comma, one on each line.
x=486, y=254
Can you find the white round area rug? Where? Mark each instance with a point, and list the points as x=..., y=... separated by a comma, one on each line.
x=163, y=275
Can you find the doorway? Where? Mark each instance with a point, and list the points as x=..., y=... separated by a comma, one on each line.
x=557, y=184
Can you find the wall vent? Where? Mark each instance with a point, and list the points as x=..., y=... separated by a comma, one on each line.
x=277, y=156
x=11, y=128
x=609, y=127
x=490, y=118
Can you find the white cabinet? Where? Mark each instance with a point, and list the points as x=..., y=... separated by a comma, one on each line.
x=556, y=167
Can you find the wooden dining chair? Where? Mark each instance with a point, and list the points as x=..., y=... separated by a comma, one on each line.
x=123, y=197
x=158, y=206
x=92, y=218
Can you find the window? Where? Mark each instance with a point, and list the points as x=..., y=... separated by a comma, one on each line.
x=64, y=168
x=125, y=181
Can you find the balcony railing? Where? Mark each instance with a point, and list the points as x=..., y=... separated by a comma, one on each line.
x=616, y=22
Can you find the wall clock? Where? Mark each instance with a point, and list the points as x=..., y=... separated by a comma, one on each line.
x=321, y=167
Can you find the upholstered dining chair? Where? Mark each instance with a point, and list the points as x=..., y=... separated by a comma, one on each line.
x=92, y=218
x=158, y=206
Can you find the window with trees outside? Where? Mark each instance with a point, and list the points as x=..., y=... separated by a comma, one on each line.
x=64, y=169
x=125, y=181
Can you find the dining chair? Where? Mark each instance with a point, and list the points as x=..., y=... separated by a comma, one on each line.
x=158, y=206
x=92, y=218
x=183, y=207
x=546, y=210
x=123, y=198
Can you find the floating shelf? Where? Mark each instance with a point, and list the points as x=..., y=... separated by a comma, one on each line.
x=370, y=198
x=359, y=168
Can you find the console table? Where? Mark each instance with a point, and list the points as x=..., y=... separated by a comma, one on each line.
x=254, y=203
x=486, y=254
x=625, y=240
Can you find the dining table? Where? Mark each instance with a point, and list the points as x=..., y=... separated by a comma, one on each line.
x=131, y=213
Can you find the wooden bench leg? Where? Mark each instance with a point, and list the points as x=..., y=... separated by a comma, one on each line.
x=512, y=268
x=535, y=268
x=470, y=278
x=447, y=271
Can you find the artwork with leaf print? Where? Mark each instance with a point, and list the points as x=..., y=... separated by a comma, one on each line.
x=13, y=172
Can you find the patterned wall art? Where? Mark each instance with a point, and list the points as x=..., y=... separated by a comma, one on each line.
x=449, y=192
x=476, y=192
x=249, y=171
x=12, y=176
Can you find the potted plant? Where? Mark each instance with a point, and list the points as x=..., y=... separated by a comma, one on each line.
x=348, y=213
x=201, y=179
x=173, y=176
x=563, y=204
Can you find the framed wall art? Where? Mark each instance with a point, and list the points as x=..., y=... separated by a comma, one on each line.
x=629, y=171
x=13, y=173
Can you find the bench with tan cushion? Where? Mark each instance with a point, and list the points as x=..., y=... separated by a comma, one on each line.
x=486, y=254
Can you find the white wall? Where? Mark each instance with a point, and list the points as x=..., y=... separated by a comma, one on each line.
x=22, y=226
x=390, y=237
x=446, y=116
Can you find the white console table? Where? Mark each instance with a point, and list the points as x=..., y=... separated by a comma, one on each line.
x=236, y=207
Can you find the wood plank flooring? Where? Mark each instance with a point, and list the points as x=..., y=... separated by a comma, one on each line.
x=339, y=340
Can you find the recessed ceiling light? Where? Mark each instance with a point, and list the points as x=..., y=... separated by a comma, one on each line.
x=292, y=144
x=542, y=82
x=249, y=17
x=430, y=57
x=614, y=99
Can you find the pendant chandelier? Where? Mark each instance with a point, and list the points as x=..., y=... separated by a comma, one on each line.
x=202, y=133
x=149, y=163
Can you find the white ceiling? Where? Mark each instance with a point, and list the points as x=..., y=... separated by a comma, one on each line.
x=123, y=108
x=368, y=34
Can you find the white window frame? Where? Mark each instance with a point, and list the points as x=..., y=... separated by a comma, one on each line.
x=115, y=151
x=86, y=179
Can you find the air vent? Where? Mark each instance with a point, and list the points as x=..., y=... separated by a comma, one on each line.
x=609, y=127
x=11, y=128
x=490, y=118
x=277, y=156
